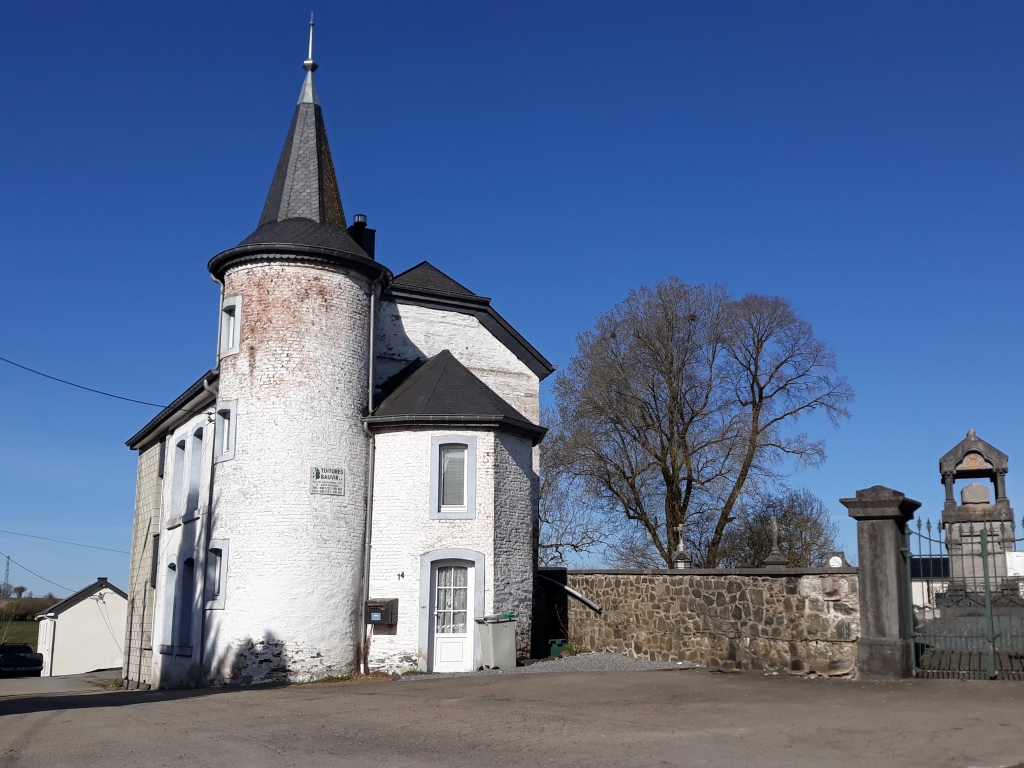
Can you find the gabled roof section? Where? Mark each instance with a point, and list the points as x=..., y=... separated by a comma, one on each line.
x=185, y=405
x=443, y=392
x=426, y=286
x=80, y=595
x=425, y=276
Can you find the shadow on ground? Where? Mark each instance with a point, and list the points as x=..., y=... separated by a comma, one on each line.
x=48, y=703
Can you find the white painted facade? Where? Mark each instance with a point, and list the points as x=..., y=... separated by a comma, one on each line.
x=85, y=636
x=406, y=332
x=255, y=564
x=406, y=541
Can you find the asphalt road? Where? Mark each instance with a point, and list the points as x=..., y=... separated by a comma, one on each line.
x=686, y=718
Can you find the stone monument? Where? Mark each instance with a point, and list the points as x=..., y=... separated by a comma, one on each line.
x=973, y=458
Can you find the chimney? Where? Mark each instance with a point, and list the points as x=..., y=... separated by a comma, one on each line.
x=362, y=234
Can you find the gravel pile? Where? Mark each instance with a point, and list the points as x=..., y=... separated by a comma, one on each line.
x=582, y=662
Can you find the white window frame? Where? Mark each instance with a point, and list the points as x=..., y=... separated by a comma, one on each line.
x=226, y=429
x=438, y=512
x=216, y=574
x=230, y=325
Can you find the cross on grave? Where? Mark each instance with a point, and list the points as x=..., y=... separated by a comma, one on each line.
x=681, y=558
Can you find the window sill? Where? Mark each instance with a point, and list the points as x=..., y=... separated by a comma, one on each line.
x=453, y=513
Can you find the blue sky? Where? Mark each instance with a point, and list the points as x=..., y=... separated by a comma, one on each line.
x=863, y=160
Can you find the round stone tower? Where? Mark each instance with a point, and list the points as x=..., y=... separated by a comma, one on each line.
x=289, y=487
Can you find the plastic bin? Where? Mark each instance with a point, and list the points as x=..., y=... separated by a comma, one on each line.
x=498, y=641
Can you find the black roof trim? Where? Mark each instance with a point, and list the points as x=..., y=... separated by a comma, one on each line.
x=503, y=423
x=176, y=406
x=478, y=306
x=73, y=600
x=220, y=263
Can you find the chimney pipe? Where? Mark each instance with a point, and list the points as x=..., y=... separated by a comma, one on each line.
x=362, y=234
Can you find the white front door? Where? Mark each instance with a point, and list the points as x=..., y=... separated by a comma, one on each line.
x=453, y=618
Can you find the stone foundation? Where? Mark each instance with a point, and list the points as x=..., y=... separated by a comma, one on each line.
x=793, y=620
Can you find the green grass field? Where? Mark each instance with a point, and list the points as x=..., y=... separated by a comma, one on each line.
x=19, y=632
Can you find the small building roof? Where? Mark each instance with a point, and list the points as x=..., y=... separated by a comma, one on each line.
x=986, y=461
x=443, y=392
x=82, y=594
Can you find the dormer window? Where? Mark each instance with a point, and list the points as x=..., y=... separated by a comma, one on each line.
x=453, y=477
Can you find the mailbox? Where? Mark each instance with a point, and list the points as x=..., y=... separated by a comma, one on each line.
x=382, y=611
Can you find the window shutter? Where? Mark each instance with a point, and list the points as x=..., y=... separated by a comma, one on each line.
x=453, y=476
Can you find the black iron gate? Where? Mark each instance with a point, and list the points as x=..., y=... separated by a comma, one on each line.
x=967, y=598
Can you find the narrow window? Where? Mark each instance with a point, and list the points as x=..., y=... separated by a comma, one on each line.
x=453, y=477
x=155, y=559
x=160, y=459
x=230, y=325
x=186, y=584
x=216, y=573
x=216, y=561
x=178, y=479
x=194, y=474
x=226, y=426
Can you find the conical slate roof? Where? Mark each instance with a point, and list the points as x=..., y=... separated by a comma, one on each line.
x=304, y=185
x=303, y=215
x=442, y=391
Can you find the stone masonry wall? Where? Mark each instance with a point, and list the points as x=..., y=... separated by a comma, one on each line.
x=781, y=620
x=515, y=492
x=139, y=630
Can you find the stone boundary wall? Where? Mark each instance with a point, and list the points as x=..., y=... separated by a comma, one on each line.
x=771, y=619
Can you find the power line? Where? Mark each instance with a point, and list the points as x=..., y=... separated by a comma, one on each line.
x=72, y=543
x=90, y=389
x=68, y=589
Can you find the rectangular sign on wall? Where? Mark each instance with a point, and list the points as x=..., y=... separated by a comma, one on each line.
x=326, y=481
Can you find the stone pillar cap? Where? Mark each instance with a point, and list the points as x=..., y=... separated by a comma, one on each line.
x=880, y=503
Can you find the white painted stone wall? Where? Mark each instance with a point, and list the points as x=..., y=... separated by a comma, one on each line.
x=406, y=332
x=293, y=574
x=403, y=532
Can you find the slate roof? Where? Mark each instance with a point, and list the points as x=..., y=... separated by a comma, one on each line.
x=442, y=391
x=303, y=215
x=426, y=276
x=80, y=595
x=177, y=408
x=426, y=286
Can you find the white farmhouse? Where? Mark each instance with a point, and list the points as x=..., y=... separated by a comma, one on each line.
x=363, y=436
x=85, y=631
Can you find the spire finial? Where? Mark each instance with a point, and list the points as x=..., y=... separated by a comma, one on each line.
x=309, y=65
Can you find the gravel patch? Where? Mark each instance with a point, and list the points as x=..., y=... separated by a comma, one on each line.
x=581, y=662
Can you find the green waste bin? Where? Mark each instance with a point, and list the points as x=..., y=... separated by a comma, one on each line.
x=498, y=641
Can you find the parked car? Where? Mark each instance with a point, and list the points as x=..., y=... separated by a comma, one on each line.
x=19, y=659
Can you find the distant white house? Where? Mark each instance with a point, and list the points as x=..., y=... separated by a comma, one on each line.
x=85, y=632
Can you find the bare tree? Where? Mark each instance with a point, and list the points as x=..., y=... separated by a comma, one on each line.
x=568, y=524
x=677, y=402
x=807, y=532
x=19, y=592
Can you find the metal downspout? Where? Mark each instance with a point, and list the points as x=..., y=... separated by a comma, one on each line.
x=371, y=449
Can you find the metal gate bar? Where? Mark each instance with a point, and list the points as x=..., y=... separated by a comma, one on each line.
x=967, y=607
